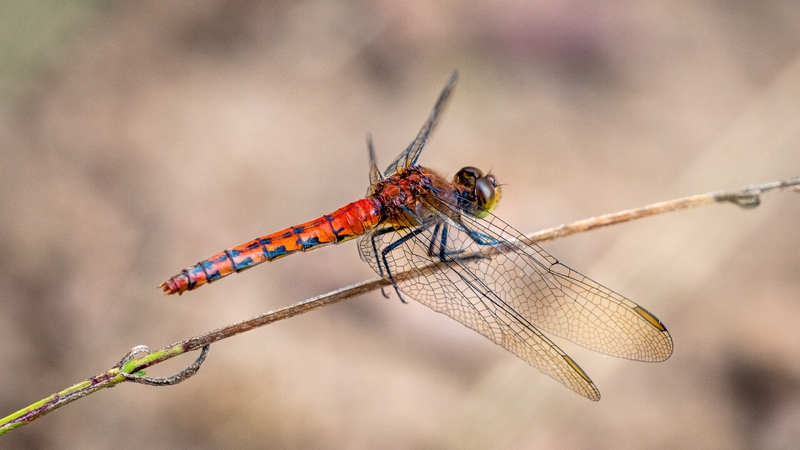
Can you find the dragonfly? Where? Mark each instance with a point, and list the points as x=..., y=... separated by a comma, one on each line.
x=438, y=242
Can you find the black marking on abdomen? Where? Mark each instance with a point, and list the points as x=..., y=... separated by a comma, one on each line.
x=207, y=267
x=333, y=230
x=230, y=255
x=309, y=243
x=278, y=252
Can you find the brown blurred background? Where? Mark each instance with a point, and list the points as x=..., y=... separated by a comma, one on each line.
x=139, y=137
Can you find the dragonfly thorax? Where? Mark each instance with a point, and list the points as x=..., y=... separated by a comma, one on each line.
x=401, y=195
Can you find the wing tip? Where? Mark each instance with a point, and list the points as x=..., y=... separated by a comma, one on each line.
x=589, y=390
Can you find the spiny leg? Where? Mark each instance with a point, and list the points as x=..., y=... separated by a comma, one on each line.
x=440, y=234
x=432, y=244
x=481, y=238
x=374, y=235
x=393, y=246
x=452, y=255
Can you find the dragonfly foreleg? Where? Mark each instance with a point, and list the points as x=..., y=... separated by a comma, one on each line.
x=448, y=256
x=481, y=238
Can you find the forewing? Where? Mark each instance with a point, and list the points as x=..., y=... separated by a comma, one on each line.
x=458, y=290
x=410, y=154
x=559, y=300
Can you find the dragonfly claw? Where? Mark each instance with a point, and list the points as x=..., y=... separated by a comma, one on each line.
x=399, y=295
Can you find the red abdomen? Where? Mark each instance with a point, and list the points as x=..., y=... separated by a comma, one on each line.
x=341, y=225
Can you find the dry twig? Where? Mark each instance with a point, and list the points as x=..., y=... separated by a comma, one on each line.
x=131, y=368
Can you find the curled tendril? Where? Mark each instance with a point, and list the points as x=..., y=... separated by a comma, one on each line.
x=183, y=375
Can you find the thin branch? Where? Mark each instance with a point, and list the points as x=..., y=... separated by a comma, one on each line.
x=131, y=368
x=747, y=197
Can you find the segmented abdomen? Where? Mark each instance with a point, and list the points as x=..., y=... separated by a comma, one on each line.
x=341, y=225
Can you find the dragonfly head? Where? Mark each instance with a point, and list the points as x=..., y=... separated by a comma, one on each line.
x=478, y=190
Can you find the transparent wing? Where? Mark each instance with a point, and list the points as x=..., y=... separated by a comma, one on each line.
x=410, y=154
x=511, y=292
x=562, y=301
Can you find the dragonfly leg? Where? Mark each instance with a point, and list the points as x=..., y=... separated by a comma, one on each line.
x=391, y=247
x=451, y=256
x=481, y=238
x=375, y=252
x=444, y=255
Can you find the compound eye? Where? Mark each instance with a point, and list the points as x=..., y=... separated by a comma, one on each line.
x=467, y=176
x=485, y=193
